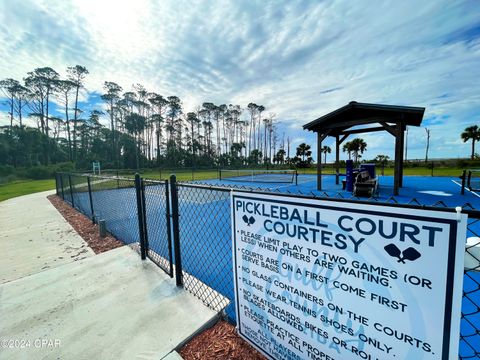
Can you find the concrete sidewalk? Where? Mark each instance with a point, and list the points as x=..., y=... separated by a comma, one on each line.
x=58, y=301
x=34, y=237
x=109, y=306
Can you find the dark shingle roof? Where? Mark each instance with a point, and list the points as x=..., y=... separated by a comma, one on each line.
x=355, y=113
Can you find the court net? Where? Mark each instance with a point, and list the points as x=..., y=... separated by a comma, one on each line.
x=261, y=176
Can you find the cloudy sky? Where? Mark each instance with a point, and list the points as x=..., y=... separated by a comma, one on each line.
x=300, y=59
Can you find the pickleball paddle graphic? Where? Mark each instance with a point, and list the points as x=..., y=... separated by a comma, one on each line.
x=410, y=253
x=248, y=220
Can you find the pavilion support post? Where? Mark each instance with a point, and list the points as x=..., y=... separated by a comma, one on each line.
x=337, y=159
x=402, y=154
x=319, y=161
x=398, y=160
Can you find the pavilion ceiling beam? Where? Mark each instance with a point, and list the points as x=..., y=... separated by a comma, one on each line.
x=360, y=131
x=323, y=136
x=391, y=129
x=350, y=123
x=342, y=139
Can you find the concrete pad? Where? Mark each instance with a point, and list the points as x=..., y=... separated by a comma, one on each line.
x=109, y=306
x=34, y=237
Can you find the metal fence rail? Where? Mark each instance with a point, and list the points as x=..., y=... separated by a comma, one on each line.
x=197, y=217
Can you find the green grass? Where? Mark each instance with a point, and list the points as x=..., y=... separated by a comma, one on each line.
x=408, y=171
x=186, y=175
x=24, y=187
x=181, y=174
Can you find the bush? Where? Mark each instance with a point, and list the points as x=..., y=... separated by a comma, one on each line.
x=6, y=170
x=39, y=172
x=7, y=179
x=63, y=167
x=47, y=172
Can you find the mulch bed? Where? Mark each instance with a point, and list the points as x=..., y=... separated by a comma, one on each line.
x=219, y=342
x=84, y=227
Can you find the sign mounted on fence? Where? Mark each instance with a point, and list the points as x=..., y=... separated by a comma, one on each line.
x=318, y=279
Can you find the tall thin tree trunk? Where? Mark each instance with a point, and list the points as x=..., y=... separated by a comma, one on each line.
x=47, y=147
x=11, y=113
x=20, y=112
x=68, y=130
x=75, y=118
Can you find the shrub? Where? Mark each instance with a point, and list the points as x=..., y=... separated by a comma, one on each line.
x=6, y=170
x=45, y=172
x=39, y=172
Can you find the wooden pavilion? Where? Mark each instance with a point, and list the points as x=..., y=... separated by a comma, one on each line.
x=357, y=118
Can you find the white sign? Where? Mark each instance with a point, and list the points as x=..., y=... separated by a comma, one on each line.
x=318, y=279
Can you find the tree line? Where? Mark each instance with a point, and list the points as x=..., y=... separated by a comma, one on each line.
x=145, y=129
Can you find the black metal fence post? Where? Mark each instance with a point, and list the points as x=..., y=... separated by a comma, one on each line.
x=169, y=228
x=90, y=198
x=463, y=177
x=61, y=186
x=56, y=183
x=176, y=231
x=141, y=222
x=71, y=189
x=144, y=216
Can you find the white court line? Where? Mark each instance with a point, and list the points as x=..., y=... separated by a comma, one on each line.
x=473, y=192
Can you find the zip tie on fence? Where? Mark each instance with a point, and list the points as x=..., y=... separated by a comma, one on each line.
x=458, y=209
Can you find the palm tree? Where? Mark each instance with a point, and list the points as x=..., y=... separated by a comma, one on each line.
x=356, y=146
x=303, y=150
x=382, y=160
x=347, y=147
x=471, y=133
x=326, y=150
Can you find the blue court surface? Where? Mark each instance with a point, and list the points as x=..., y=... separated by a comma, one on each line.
x=205, y=228
x=427, y=190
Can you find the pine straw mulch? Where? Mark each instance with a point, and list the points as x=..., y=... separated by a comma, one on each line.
x=219, y=342
x=84, y=227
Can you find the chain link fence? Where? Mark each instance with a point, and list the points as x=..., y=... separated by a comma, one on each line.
x=157, y=223
x=198, y=218
x=206, y=247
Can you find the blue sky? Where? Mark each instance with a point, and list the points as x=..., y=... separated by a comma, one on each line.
x=300, y=59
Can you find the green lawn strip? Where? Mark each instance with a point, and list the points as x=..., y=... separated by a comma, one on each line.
x=181, y=174
x=24, y=187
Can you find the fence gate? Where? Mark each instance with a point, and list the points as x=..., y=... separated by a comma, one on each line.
x=204, y=244
x=156, y=210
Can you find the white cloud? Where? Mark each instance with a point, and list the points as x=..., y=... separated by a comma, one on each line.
x=299, y=59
